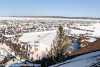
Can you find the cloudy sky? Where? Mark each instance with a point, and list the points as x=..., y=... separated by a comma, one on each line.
x=77, y=8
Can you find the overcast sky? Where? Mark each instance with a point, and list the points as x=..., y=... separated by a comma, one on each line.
x=78, y=8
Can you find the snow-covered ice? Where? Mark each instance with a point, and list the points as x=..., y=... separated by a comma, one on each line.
x=42, y=39
x=81, y=61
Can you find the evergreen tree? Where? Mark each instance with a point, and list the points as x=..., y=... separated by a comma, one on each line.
x=59, y=45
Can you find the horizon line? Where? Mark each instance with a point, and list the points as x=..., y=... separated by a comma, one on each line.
x=70, y=17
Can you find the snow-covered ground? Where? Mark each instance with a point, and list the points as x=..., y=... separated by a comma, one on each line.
x=91, y=31
x=42, y=40
x=13, y=61
x=81, y=61
x=4, y=51
x=95, y=28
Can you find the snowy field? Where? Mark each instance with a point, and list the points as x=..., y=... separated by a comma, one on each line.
x=41, y=40
x=95, y=28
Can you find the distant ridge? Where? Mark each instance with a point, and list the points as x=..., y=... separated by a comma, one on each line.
x=93, y=18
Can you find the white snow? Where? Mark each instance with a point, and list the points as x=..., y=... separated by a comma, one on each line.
x=13, y=61
x=81, y=61
x=44, y=39
x=9, y=36
x=2, y=57
x=95, y=28
x=5, y=48
x=91, y=39
x=4, y=51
